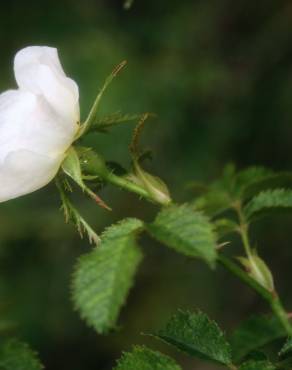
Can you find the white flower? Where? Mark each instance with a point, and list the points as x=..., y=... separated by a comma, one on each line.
x=38, y=122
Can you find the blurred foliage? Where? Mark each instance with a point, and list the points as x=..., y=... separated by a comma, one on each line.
x=219, y=77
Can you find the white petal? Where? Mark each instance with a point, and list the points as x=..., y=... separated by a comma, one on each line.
x=28, y=122
x=23, y=172
x=38, y=70
x=33, y=140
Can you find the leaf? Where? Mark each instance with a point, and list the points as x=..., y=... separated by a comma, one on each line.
x=197, y=335
x=250, y=179
x=270, y=199
x=103, y=277
x=287, y=348
x=213, y=202
x=257, y=365
x=143, y=358
x=187, y=231
x=225, y=226
x=16, y=355
x=254, y=333
x=269, y=181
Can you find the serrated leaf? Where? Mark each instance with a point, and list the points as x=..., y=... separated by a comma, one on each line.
x=213, y=202
x=187, y=231
x=16, y=355
x=250, y=178
x=257, y=365
x=197, y=335
x=287, y=348
x=103, y=277
x=268, y=182
x=267, y=200
x=143, y=358
x=254, y=333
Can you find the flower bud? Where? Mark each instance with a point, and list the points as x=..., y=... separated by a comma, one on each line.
x=258, y=270
x=92, y=163
x=154, y=185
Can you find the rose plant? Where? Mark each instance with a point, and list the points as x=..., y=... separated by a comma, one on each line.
x=41, y=140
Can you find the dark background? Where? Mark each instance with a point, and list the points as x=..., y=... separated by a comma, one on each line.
x=218, y=74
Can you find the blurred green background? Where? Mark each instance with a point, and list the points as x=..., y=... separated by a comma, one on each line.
x=218, y=74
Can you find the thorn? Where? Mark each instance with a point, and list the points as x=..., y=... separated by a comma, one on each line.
x=100, y=202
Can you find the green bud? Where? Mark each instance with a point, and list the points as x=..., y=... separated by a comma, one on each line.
x=92, y=163
x=258, y=270
x=154, y=185
x=72, y=168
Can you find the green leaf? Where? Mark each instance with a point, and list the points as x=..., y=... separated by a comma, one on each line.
x=266, y=200
x=103, y=277
x=225, y=226
x=251, y=180
x=254, y=333
x=213, y=202
x=16, y=355
x=257, y=365
x=71, y=166
x=197, y=335
x=287, y=348
x=187, y=231
x=143, y=358
x=268, y=181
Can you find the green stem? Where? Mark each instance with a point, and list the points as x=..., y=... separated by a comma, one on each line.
x=244, y=277
x=126, y=184
x=282, y=315
x=243, y=229
x=270, y=297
